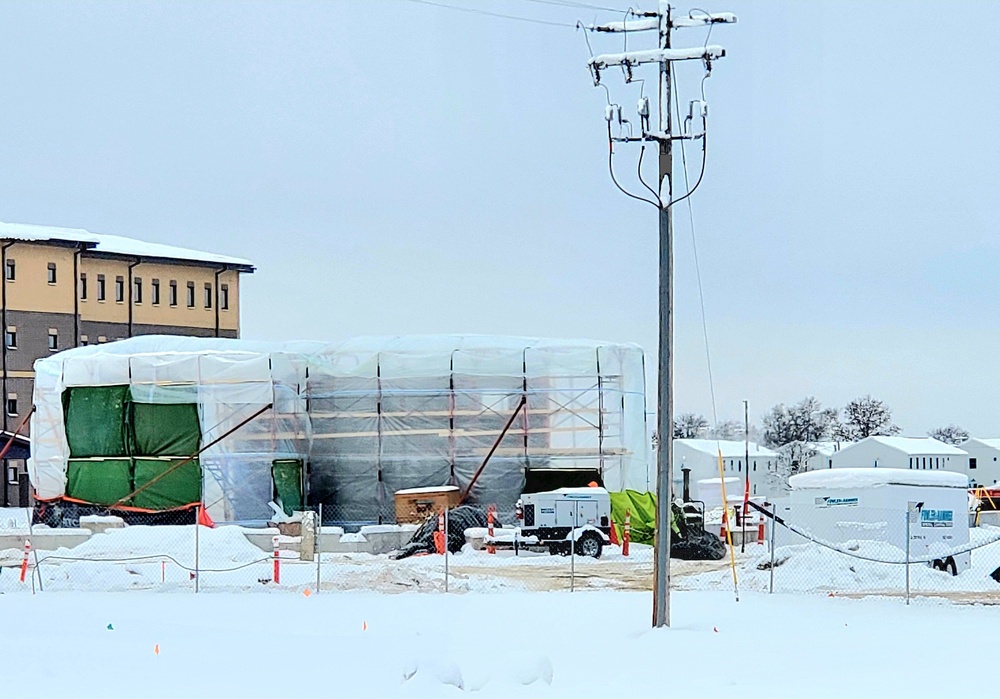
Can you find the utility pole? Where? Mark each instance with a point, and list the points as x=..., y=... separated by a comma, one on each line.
x=663, y=22
x=665, y=368
x=746, y=483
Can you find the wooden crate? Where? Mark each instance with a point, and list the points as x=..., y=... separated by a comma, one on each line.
x=414, y=505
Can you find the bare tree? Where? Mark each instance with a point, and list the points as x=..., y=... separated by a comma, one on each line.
x=690, y=426
x=952, y=434
x=867, y=417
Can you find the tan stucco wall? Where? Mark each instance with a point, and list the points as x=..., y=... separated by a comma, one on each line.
x=30, y=290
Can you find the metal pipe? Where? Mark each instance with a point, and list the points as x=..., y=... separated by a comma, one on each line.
x=132, y=266
x=217, y=304
x=774, y=512
x=3, y=303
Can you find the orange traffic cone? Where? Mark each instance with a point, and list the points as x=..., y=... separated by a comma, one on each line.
x=614, y=534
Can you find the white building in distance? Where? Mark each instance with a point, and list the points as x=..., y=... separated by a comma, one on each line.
x=702, y=457
x=823, y=455
x=916, y=453
x=984, y=460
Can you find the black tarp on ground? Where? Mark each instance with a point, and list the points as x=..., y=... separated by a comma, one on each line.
x=459, y=519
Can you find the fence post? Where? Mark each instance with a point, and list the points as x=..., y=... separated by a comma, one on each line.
x=572, y=547
x=908, y=507
x=446, y=547
x=774, y=512
x=38, y=567
x=319, y=545
x=197, y=548
x=277, y=561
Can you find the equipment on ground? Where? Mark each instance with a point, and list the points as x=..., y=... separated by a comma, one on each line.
x=559, y=520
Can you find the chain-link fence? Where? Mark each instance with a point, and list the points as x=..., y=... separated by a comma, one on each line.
x=846, y=550
x=916, y=555
x=477, y=555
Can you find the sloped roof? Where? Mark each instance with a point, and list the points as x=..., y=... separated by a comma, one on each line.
x=115, y=244
x=731, y=449
x=913, y=445
x=994, y=443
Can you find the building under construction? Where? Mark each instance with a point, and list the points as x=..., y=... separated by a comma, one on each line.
x=162, y=424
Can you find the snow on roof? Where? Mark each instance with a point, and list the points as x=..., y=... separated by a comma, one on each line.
x=731, y=449
x=994, y=443
x=828, y=448
x=874, y=477
x=914, y=445
x=115, y=244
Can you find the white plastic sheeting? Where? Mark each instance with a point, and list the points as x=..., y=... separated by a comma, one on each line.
x=370, y=416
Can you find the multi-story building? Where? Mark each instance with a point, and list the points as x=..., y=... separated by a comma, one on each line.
x=67, y=287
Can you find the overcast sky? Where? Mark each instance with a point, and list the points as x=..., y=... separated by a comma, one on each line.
x=393, y=167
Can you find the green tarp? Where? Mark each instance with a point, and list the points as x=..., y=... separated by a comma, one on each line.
x=642, y=507
x=181, y=486
x=95, y=421
x=169, y=429
x=102, y=421
x=287, y=476
x=99, y=481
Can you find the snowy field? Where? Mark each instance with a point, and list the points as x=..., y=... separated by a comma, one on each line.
x=592, y=644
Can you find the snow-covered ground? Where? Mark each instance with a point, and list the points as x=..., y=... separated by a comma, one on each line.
x=164, y=558
x=591, y=644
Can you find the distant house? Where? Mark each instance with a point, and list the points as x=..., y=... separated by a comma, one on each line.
x=984, y=460
x=823, y=455
x=917, y=453
x=702, y=457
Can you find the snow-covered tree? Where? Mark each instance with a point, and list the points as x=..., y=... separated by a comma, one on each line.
x=806, y=421
x=727, y=429
x=952, y=434
x=690, y=426
x=867, y=417
x=792, y=431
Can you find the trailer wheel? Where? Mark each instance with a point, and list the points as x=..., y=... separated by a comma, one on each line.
x=589, y=544
x=949, y=565
x=937, y=565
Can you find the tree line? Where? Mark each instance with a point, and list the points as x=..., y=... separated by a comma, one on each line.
x=793, y=430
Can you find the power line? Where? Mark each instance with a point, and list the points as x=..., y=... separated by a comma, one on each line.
x=487, y=13
x=570, y=3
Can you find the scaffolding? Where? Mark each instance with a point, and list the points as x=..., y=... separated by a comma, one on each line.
x=370, y=416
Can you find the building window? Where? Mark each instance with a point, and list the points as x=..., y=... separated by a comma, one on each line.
x=208, y=295
x=120, y=289
x=84, y=340
x=155, y=290
x=12, y=404
x=137, y=283
x=52, y=273
x=12, y=475
x=190, y=295
x=101, y=339
x=10, y=270
x=173, y=292
x=224, y=297
x=101, y=289
x=53, y=339
x=10, y=337
x=83, y=287
x=972, y=462
x=755, y=465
